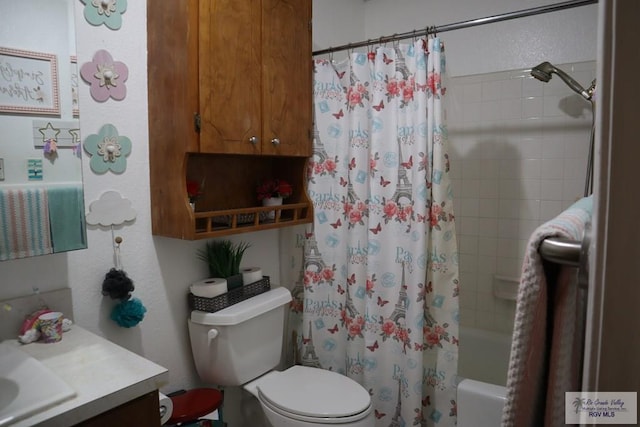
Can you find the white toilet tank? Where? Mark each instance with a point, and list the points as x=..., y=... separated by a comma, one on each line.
x=241, y=342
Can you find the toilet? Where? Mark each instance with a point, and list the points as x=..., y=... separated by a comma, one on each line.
x=241, y=345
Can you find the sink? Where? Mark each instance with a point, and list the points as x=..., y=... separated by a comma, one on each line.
x=26, y=385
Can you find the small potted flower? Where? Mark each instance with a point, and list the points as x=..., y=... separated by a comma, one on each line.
x=194, y=190
x=272, y=191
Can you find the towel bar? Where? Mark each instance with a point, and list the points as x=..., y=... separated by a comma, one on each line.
x=561, y=251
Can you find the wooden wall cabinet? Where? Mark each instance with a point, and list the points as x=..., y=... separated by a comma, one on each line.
x=230, y=104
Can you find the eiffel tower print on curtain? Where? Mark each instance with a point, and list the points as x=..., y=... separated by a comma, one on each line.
x=400, y=309
x=404, y=187
x=397, y=420
x=309, y=357
x=319, y=152
x=312, y=255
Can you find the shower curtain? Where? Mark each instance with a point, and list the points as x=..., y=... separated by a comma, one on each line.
x=376, y=293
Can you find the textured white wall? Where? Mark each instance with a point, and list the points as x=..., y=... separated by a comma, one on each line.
x=163, y=268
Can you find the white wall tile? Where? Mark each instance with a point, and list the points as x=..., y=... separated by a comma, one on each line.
x=520, y=148
x=489, y=169
x=470, y=169
x=468, y=206
x=549, y=209
x=552, y=148
x=485, y=283
x=574, y=169
x=531, y=189
x=487, y=207
x=468, y=245
x=469, y=281
x=484, y=320
x=507, y=248
x=529, y=209
x=552, y=168
x=489, y=189
x=508, y=208
x=532, y=107
x=532, y=87
x=485, y=301
x=488, y=246
x=472, y=113
x=509, y=189
x=511, y=89
x=490, y=111
x=487, y=265
x=551, y=106
x=468, y=299
x=468, y=263
x=510, y=109
x=508, y=228
x=491, y=90
x=468, y=226
x=472, y=92
x=551, y=189
x=530, y=148
x=487, y=227
x=530, y=169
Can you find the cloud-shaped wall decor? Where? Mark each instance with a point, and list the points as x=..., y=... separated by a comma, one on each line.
x=110, y=209
x=107, y=12
x=105, y=76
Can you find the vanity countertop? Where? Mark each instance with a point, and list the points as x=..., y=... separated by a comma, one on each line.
x=103, y=375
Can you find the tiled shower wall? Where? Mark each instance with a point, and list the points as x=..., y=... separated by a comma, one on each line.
x=519, y=150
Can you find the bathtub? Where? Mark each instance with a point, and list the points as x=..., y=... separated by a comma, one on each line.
x=483, y=360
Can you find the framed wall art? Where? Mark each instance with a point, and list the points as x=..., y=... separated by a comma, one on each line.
x=28, y=82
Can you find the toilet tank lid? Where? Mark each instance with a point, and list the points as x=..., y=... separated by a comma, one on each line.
x=244, y=310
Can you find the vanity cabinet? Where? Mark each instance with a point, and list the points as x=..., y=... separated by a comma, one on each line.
x=230, y=104
x=143, y=411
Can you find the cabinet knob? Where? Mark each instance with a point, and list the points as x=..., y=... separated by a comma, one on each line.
x=275, y=141
x=253, y=140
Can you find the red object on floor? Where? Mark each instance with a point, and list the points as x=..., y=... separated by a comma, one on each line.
x=193, y=404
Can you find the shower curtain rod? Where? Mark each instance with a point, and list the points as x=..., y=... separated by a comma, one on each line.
x=460, y=25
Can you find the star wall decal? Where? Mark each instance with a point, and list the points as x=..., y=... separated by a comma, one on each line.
x=49, y=132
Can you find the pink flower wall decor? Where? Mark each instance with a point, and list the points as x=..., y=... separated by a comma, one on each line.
x=105, y=76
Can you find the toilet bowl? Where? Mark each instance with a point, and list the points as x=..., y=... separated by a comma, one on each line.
x=310, y=397
x=241, y=345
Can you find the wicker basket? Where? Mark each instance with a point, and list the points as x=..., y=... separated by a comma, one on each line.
x=234, y=296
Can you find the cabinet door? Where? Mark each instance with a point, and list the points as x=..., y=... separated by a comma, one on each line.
x=229, y=76
x=286, y=78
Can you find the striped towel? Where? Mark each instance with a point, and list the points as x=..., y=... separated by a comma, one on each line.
x=24, y=223
x=547, y=334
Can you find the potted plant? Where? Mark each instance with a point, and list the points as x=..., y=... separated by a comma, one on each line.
x=272, y=192
x=194, y=190
x=223, y=258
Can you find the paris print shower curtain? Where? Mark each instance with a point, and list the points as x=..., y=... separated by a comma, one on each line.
x=376, y=276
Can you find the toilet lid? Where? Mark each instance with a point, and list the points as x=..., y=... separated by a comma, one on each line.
x=313, y=392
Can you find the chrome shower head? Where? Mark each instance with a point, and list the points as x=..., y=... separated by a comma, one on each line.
x=543, y=73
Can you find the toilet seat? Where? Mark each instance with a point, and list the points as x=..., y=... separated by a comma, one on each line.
x=315, y=395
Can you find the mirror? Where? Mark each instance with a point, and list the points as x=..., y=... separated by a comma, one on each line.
x=41, y=193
